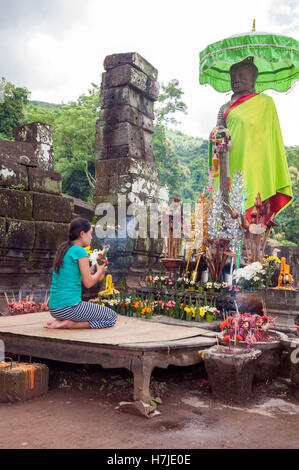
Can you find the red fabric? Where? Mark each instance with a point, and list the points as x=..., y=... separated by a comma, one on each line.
x=277, y=202
x=239, y=101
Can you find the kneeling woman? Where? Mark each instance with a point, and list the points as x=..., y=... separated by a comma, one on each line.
x=70, y=267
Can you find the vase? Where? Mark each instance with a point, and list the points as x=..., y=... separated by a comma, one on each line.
x=230, y=373
x=205, y=276
x=209, y=317
x=200, y=289
x=171, y=264
x=191, y=288
x=270, y=358
x=188, y=316
x=138, y=314
x=250, y=301
x=148, y=316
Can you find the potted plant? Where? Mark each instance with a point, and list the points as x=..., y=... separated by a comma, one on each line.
x=170, y=306
x=200, y=287
x=217, y=286
x=223, y=288
x=252, y=278
x=211, y=313
x=191, y=287
x=210, y=288
x=230, y=372
x=189, y=312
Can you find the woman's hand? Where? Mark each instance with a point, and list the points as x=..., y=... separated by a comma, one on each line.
x=88, y=278
x=101, y=270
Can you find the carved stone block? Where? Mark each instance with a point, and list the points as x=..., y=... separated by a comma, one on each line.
x=20, y=234
x=132, y=58
x=44, y=181
x=49, y=235
x=17, y=152
x=13, y=174
x=128, y=75
x=40, y=136
x=15, y=204
x=52, y=208
x=113, y=97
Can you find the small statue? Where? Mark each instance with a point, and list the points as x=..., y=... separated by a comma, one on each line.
x=285, y=280
x=109, y=291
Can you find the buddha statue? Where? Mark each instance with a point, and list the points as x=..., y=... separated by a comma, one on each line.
x=257, y=148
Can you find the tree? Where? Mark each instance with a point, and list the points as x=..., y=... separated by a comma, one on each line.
x=288, y=220
x=12, y=108
x=167, y=161
x=170, y=103
x=73, y=140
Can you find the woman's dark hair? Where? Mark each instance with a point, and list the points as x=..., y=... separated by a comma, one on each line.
x=76, y=227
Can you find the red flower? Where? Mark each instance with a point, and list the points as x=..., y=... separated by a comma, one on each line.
x=104, y=261
x=239, y=338
x=226, y=339
x=99, y=255
x=223, y=325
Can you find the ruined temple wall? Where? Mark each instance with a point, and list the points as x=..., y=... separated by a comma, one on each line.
x=34, y=216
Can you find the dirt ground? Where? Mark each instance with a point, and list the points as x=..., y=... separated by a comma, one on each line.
x=80, y=412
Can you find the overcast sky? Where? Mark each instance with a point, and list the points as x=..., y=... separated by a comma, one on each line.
x=56, y=48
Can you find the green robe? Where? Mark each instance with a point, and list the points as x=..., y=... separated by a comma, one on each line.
x=258, y=151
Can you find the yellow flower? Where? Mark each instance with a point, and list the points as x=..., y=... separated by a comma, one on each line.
x=202, y=312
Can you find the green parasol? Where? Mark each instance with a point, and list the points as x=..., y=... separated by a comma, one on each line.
x=276, y=57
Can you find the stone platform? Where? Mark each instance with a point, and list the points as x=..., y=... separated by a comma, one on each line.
x=133, y=344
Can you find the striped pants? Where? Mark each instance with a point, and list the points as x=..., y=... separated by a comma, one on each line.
x=97, y=316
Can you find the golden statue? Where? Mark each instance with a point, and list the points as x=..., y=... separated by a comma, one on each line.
x=285, y=280
x=109, y=291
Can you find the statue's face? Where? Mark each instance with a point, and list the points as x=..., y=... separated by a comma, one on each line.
x=241, y=79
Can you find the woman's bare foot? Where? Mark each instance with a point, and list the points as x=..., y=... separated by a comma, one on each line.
x=66, y=324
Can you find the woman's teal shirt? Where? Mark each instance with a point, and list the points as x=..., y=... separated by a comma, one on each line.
x=66, y=285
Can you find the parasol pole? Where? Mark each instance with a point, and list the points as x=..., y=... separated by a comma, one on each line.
x=240, y=244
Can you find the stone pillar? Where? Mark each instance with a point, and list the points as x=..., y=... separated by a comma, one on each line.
x=125, y=162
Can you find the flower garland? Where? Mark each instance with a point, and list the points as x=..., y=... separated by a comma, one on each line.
x=219, y=141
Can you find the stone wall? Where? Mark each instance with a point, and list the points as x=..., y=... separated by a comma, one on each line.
x=124, y=158
x=34, y=215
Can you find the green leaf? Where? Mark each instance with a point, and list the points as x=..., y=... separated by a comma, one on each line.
x=157, y=400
